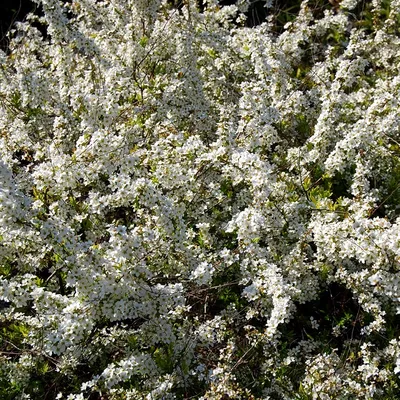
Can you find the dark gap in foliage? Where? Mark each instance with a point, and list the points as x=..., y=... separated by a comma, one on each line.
x=335, y=306
x=12, y=11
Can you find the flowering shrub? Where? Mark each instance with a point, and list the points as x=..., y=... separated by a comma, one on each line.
x=192, y=208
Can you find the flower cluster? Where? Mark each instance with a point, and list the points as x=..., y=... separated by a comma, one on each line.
x=194, y=208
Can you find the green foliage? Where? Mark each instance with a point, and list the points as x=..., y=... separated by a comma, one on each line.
x=164, y=358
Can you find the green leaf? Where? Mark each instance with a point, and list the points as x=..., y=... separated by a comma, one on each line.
x=143, y=41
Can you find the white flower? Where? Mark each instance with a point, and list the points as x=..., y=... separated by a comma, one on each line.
x=203, y=273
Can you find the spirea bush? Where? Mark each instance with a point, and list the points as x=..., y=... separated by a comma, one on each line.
x=191, y=208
